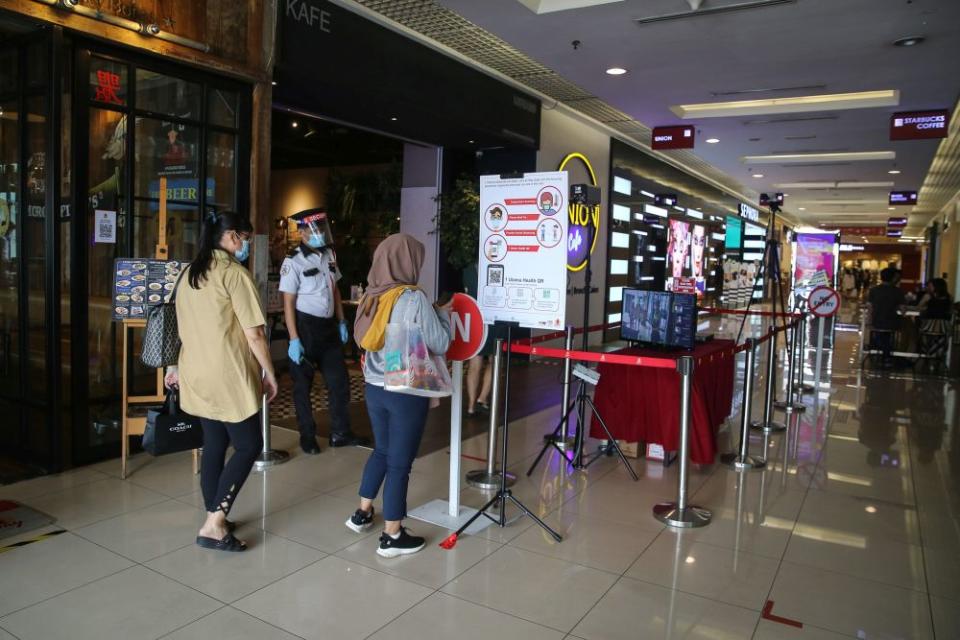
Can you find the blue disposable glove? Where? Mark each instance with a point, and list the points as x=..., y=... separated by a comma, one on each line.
x=344, y=334
x=295, y=351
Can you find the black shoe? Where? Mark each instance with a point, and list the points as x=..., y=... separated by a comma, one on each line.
x=348, y=440
x=483, y=408
x=402, y=545
x=309, y=446
x=360, y=521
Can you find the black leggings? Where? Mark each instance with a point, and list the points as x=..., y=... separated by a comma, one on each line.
x=220, y=483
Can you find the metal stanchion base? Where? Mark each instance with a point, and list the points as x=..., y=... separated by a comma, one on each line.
x=480, y=479
x=738, y=463
x=769, y=427
x=790, y=407
x=270, y=458
x=690, y=518
x=562, y=443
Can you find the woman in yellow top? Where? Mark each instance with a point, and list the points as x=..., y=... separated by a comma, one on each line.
x=224, y=351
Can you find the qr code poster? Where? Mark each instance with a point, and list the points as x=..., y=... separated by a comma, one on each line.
x=522, y=253
x=105, y=226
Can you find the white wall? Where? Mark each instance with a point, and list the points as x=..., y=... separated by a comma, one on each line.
x=560, y=135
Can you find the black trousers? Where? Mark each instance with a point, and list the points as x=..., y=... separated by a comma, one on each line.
x=324, y=351
x=220, y=483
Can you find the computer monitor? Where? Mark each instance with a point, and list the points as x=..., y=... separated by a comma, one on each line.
x=659, y=318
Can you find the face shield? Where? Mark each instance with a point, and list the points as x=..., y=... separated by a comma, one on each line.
x=316, y=231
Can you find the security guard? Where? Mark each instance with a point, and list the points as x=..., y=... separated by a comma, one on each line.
x=314, y=317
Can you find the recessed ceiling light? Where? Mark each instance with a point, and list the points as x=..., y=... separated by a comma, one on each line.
x=294, y=124
x=891, y=208
x=393, y=119
x=799, y=104
x=616, y=71
x=470, y=141
x=908, y=41
x=713, y=140
x=803, y=208
x=274, y=83
x=893, y=171
x=758, y=175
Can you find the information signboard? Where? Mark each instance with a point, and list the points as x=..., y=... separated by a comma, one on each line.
x=523, y=249
x=139, y=284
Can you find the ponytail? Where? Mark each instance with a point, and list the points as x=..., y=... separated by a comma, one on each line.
x=211, y=231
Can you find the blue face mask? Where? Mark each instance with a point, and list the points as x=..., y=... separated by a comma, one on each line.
x=316, y=241
x=243, y=252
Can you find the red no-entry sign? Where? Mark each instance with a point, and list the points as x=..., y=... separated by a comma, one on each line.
x=469, y=330
x=824, y=302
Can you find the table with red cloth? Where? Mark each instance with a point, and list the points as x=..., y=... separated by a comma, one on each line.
x=642, y=404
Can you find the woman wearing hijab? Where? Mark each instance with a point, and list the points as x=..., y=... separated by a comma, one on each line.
x=397, y=419
x=224, y=349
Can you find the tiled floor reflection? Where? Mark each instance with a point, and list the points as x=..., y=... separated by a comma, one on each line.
x=852, y=530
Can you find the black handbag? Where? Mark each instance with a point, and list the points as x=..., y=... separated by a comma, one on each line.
x=161, y=340
x=170, y=430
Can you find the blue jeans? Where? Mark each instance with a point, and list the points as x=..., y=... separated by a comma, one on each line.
x=398, y=420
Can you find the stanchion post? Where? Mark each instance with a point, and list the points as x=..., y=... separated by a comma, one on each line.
x=269, y=456
x=679, y=513
x=789, y=404
x=802, y=387
x=742, y=461
x=489, y=479
x=768, y=424
x=563, y=440
x=819, y=356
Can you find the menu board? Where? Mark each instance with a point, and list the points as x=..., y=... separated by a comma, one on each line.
x=139, y=284
x=523, y=253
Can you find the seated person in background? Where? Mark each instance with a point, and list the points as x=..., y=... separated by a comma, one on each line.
x=936, y=303
x=885, y=301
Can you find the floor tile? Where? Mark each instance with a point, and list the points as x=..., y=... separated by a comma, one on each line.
x=443, y=616
x=147, y=533
x=230, y=576
x=872, y=519
x=319, y=523
x=894, y=563
x=633, y=507
x=259, y=496
x=133, y=604
x=332, y=469
x=433, y=566
x=593, y=542
x=230, y=624
x=943, y=572
x=35, y=487
x=730, y=576
x=767, y=630
x=850, y=605
x=332, y=599
x=563, y=593
x=946, y=617
x=50, y=567
x=633, y=609
x=174, y=478
x=94, y=501
x=421, y=489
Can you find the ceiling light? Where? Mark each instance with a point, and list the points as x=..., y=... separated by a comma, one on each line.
x=870, y=509
x=274, y=83
x=712, y=140
x=393, y=119
x=758, y=175
x=294, y=124
x=690, y=560
x=808, y=158
x=891, y=208
x=800, y=104
x=908, y=41
x=803, y=208
x=616, y=71
x=894, y=172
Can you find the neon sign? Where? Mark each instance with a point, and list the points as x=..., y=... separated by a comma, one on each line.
x=584, y=221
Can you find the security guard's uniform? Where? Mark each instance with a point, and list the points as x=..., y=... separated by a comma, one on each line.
x=311, y=274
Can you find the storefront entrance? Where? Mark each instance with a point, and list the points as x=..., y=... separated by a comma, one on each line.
x=89, y=128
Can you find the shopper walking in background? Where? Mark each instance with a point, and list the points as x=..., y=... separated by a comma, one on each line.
x=224, y=367
x=397, y=419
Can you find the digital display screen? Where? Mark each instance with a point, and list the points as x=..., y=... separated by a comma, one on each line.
x=734, y=233
x=659, y=317
x=903, y=197
x=679, y=241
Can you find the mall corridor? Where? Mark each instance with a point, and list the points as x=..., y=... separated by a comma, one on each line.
x=851, y=531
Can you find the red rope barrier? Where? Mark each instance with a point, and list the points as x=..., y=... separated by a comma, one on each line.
x=592, y=356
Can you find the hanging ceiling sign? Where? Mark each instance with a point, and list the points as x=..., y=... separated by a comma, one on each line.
x=896, y=222
x=675, y=137
x=919, y=125
x=584, y=220
x=903, y=198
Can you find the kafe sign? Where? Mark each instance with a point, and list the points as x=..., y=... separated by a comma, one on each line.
x=584, y=220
